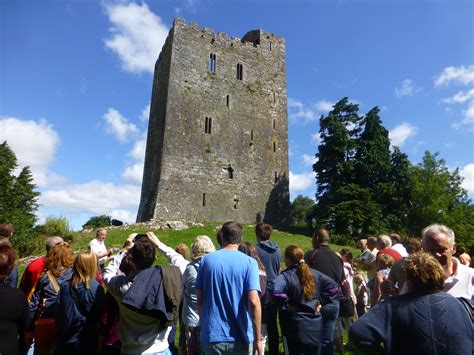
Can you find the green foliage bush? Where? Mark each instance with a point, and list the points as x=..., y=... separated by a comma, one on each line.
x=97, y=222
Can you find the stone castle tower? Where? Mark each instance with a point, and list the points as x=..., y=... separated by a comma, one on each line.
x=217, y=146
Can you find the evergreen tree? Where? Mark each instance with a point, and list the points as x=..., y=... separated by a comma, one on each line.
x=372, y=162
x=335, y=166
x=301, y=210
x=18, y=201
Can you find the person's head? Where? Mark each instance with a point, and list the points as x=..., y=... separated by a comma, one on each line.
x=346, y=255
x=52, y=241
x=263, y=231
x=358, y=278
x=362, y=244
x=6, y=232
x=384, y=261
x=101, y=234
x=7, y=260
x=461, y=250
x=383, y=242
x=84, y=268
x=140, y=257
x=250, y=250
x=295, y=255
x=413, y=245
x=231, y=233
x=320, y=237
x=395, y=238
x=203, y=245
x=371, y=243
x=182, y=249
x=438, y=240
x=424, y=273
x=58, y=259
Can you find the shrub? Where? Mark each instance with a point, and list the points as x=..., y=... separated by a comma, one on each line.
x=97, y=222
x=56, y=226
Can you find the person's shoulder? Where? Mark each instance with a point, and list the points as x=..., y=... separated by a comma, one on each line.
x=94, y=242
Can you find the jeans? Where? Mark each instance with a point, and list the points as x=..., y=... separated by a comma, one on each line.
x=226, y=348
x=330, y=313
x=271, y=312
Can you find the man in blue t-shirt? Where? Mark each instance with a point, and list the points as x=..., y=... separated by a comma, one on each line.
x=228, y=298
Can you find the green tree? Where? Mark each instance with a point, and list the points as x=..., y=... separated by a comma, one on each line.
x=97, y=222
x=436, y=193
x=18, y=201
x=372, y=166
x=335, y=166
x=301, y=210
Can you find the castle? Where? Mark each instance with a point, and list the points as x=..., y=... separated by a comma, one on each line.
x=217, y=145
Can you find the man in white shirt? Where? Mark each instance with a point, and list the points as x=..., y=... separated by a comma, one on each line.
x=439, y=241
x=397, y=245
x=97, y=246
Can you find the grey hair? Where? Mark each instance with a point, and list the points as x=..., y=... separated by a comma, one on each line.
x=437, y=229
x=52, y=241
x=386, y=240
x=203, y=245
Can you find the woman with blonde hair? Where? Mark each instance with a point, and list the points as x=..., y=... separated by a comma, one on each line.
x=190, y=318
x=43, y=304
x=298, y=291
x=79, y=304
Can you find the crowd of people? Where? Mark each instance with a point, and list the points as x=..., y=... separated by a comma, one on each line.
x=394, y=298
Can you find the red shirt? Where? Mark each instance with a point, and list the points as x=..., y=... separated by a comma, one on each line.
x=31, y=275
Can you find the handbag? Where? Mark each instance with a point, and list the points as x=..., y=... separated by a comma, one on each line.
x=346, y=307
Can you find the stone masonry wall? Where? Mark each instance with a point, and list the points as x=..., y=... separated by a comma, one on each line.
x=240, y=170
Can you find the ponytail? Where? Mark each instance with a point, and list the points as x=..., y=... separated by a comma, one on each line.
x=308, y=287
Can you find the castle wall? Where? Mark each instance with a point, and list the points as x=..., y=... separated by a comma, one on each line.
x=228, y=174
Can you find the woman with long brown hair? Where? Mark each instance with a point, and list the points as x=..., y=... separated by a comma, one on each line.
x=298, y=291
x=43, y=303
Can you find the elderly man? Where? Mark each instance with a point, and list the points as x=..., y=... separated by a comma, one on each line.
x=384, y=245
x=228, y=300
x=34, y=269
x=438, y=240
x=97, y=246
x=397, y=244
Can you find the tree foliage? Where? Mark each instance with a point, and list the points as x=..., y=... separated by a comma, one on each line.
x=302, y=210
x=18, y=201
x=97, y=222
x=366, y=187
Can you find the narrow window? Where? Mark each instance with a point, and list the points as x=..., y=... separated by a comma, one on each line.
x=274, y=123
x=251, y=135
x=240, y=71
x=276, y=177
x=236, y=202
x=270, y=45
x=204, y=200
x=227, y=100
x=230, y=172
x=208, y=125
x=274, y=147
x=274, y=98
x=212, y=63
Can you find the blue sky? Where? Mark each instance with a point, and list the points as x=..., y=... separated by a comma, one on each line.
x=76, y=76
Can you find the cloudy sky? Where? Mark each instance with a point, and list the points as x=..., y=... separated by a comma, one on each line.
x=76, y=77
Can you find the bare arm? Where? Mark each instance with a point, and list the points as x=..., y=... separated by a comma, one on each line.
x=256, y=314
x=377, y=287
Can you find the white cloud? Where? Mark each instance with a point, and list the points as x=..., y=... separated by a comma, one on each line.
x=94, y=197
x=299, y=182
x=119, y=126
x=324, y=106
x=137, y=35
x=308, y=160
x=124, y=215
x=316, y=138
x=133, y=173
x=407, y=88
x=145, y=113
x=468, y=120
x=35, y=144
x=298, y=111
x=401, y=133
x=460, y=97
x=468, y=174
x=460, y=75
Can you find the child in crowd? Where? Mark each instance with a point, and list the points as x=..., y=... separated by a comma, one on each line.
x=362, y=293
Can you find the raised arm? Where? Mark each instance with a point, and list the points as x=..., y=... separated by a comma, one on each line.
x=174, y=257
x=256, y=314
